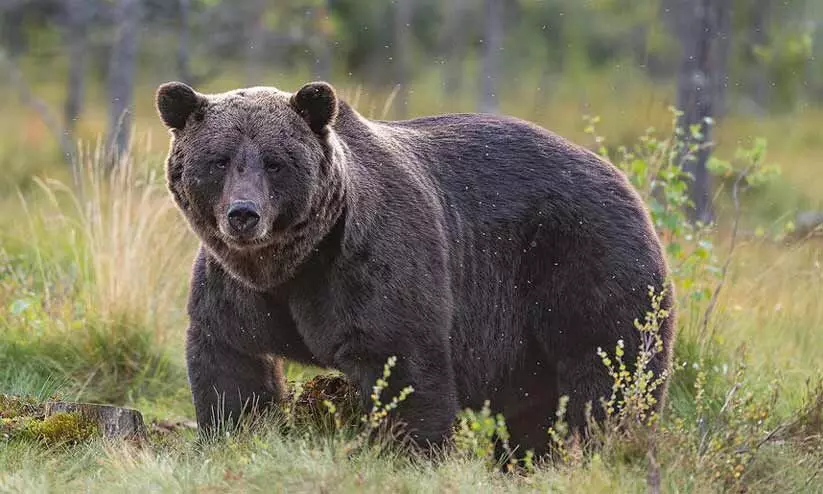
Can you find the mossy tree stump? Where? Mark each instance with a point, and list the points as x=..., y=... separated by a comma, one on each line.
x=111, y=421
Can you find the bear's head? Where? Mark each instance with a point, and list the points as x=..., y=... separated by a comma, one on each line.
x=256, y=172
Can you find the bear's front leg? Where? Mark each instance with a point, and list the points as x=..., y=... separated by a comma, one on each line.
x=227, y=384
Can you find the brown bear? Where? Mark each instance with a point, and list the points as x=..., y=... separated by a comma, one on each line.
x=490, y=256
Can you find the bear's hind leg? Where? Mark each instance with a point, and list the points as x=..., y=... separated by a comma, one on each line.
x=529, y=427
x=584, y=379
x=529, y=404
x=428, y=413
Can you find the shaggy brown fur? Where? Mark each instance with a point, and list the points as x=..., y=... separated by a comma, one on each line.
x=491, y=256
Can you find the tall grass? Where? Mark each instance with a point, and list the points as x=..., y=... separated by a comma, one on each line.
x=130, y=250
x=93, y=283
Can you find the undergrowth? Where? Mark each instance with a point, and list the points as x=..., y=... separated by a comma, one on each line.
x=90, y=284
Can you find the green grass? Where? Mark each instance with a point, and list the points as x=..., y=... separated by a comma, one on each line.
x=272, y=461
x=93, y=286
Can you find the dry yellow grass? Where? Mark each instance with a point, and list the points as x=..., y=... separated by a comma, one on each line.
x=131, y=247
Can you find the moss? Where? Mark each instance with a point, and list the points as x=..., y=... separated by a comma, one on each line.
x=307, y=404
x=24, y=419
x=61, y=428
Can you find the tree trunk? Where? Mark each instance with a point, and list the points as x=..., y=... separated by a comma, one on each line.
x=759, y=37
x=121, y=75
x=454, y=46
x=402, y=56
x=695, y=93
x=254, y=50
x=13, y=32
x=723, y=51
x=322, y=40
x=183, y=51
x=491, y=55
x=78, y=13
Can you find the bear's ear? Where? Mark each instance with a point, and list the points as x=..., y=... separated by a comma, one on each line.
x=176, y=102
x=316, y=102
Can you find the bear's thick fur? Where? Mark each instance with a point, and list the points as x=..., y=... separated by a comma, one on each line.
x=489, y=255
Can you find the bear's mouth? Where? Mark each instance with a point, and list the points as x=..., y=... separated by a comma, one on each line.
x=251, y=240
x=244, y=242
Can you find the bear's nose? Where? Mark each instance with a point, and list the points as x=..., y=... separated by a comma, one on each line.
x=243, y=216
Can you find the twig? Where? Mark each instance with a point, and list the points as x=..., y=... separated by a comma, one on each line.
x=732, y=246
x=729, y=396
x=763, y=441
x=809, y=480
x=726, y=403
x=389, y=101
x=769, y=436
x=653, y=474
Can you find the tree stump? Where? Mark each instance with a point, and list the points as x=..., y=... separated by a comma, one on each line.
x=807, y=224
x=113, y=422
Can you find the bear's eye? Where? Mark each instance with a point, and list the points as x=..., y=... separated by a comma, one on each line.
x=220, y=165
x=272, y=165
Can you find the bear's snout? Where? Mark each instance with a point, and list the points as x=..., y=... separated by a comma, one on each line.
x=243, y=216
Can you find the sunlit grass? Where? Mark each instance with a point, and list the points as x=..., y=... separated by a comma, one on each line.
x=93, y=284
x=773, y=308
x=128, y=244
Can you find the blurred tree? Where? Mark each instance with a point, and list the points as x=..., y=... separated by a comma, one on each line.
x=380, y=44
x=321, y=40
x=814, y=15
x=183, y=50
x=255, y=44
x=13, y=26
x=78, y=14
x=454, y=43
x=493, y=33
x=402, y=56
x=700, y=64
x=757, y=40
x=122, y=65
x=720, y=74
x=786, y=57
x=43, y=110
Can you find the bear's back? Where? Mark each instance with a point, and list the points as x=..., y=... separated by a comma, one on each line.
x=502, y=168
